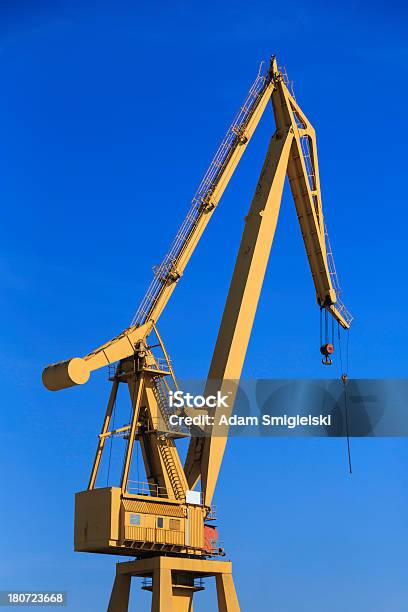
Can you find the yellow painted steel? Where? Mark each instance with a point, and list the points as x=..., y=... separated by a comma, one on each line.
x=240, y=308
x=309, y=207
x=194, y=528
x=173, y=583
x=157, y=508
x=62, y=375
x=66, y=374
x=285, y=155
x=103, y=525
x=152, y=534
x=76, y=371
x=167, y=522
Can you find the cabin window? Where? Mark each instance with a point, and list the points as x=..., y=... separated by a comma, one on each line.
x=174, y=524
x=135, y=519
x=160, y=522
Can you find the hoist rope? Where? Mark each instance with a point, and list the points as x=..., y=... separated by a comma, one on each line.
x=326, y=339
x=321, y=324
x=344, y=379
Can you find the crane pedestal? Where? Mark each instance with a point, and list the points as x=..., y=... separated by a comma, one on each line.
x=173, y=583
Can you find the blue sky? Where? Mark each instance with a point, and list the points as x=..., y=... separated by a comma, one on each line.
x=109, y=118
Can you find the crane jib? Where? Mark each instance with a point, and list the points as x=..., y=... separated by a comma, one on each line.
x=168, y=272
x=302, y=170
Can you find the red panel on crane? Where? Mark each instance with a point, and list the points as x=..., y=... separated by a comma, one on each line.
x=210, y=538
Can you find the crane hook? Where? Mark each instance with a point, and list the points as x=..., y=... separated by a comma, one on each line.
x=327, y=350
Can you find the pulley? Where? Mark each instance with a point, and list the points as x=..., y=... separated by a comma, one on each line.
x=327, y=350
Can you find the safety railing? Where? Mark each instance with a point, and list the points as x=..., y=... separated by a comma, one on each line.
x=158, y=363
x=347, y=316
x=136, y=487
x=212, y=515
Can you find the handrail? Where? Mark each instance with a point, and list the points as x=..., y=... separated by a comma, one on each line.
x=201, y=199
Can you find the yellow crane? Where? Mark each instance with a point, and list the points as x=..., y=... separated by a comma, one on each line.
x=165, y=523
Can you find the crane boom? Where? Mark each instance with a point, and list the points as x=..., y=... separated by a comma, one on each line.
x=205, y=200
x=77, y=370
x=304, y=180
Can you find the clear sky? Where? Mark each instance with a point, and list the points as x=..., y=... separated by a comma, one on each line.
x=110, y=113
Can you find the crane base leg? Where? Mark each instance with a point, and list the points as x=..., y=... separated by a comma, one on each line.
x=226, y=594
x=173, y=583
x=119, y=599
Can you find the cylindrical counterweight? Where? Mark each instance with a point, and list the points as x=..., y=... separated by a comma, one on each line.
x=65, y=374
